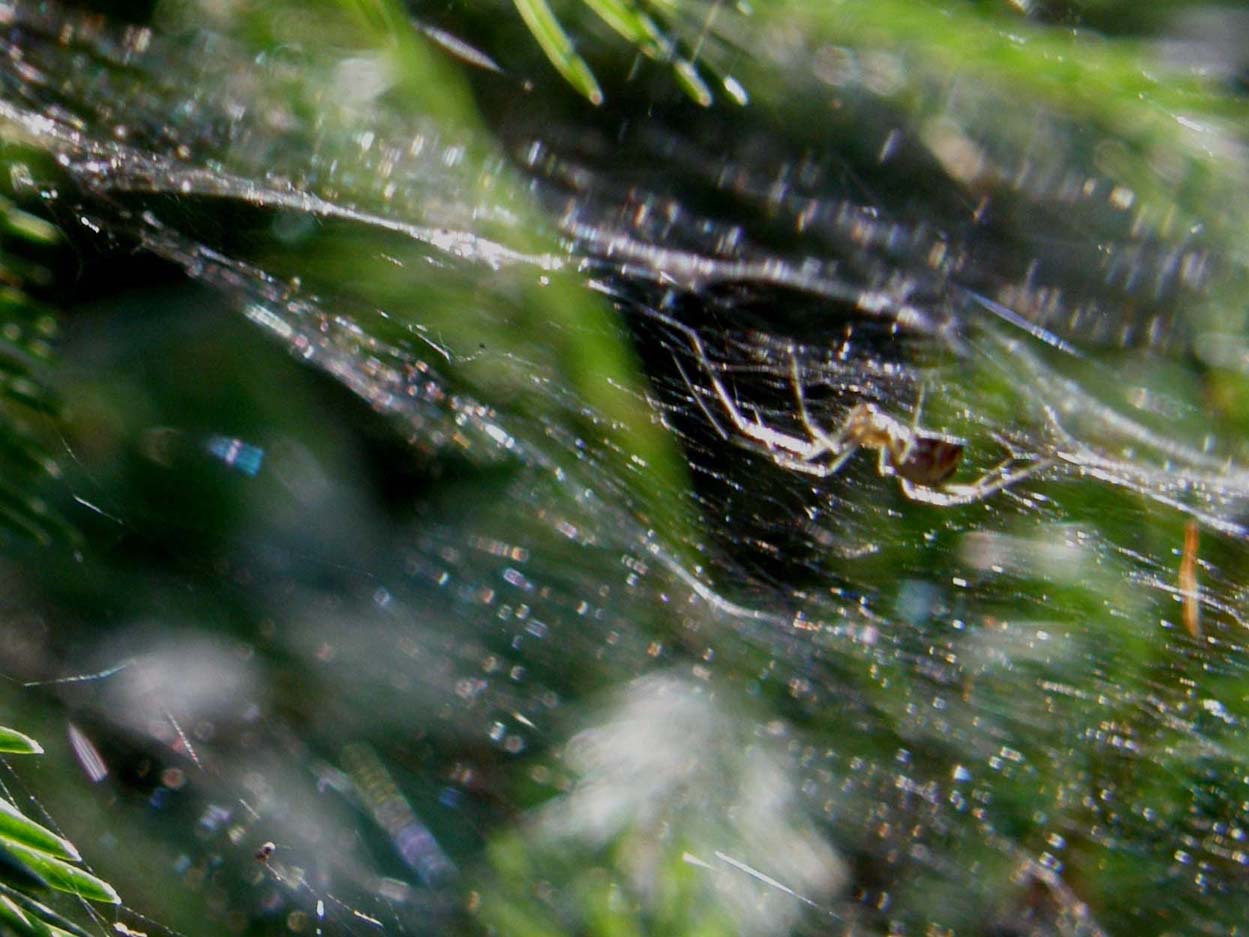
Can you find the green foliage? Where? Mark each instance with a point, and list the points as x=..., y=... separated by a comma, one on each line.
x=651, y=28
x=28, y=329
x=31, y=857
x=13, y=742
x=559, y=48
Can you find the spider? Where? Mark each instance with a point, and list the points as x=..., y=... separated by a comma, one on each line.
x=921, y=460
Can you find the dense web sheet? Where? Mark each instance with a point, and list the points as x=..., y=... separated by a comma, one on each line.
x=956, y=635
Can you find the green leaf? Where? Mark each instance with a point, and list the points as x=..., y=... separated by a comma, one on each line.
x=15, y=827
x=29, y=227
x=630, y=23
x=13, y=869
x=546, y=29
x=14, y=743
x=65, y=877
x=692, y=82
x=57, y=924
x=19, y=922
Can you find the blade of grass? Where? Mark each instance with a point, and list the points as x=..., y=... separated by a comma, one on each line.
x=13, y=742
x=16, y=827
x=546, y=29
x=14, y=869
x=692, y=82
x=65, y=877
x=56, y=922
x=18, y=922
x=630, y=24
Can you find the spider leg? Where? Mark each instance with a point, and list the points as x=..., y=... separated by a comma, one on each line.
x=696, y=394
x=884, y=466
x=786, y=450
x=919, y=408
x=987, y=484
x=840, y=447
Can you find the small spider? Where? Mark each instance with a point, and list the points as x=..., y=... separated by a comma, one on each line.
x=915, y=456
x=922, y=461
x=264, y=853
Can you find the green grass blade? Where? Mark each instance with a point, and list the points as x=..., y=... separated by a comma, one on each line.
x=14, y=870
x=65, y=877
x=629, y=23
x=14, y=743
x=15, y=827
x=28, y=227
x=691, y=82
x=57, y=924
x=639, y=29
x=17, y=921
x=546, y=29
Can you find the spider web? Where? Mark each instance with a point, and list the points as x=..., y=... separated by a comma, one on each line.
x=481, y=713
